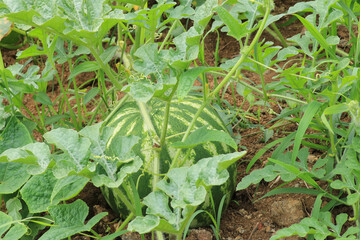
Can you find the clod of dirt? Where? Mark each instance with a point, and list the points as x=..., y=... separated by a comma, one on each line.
x=287, y=212
x=131, y=236
x=199, y=234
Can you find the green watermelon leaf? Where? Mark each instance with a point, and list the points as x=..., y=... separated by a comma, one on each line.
x=16, y=232
x=37, y=192
x=12, y=231
x=43, y=191
x=142, y=90
x=110, y=158
x=203, y=135
x=158, y=204
x=187, y=79
x=69, y=220
x=149, y=60
x=118, y=161
x=12, y=177
x=183, y=189
x=68, y=187
x=144, y=224
x=75, y=147
x=37, y=156
x=14, y=206
x=84, y=22
x=187, y=49
x=14, y=135
x=204, y=13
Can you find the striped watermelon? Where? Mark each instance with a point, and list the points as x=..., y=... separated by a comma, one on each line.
x=129, y=121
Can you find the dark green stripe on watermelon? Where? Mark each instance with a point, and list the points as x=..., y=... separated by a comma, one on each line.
x=128, y=121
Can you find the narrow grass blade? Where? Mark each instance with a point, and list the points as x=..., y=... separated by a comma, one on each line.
x=317, y=35
x=310, y=111
x=306, y=176
x=335, y=109
x=317, y=206
x=261, y=152
x=291, y=190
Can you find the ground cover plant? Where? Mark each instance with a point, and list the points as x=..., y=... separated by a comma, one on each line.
x=154, y=131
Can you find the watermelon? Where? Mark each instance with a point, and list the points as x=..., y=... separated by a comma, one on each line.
x=128, y=120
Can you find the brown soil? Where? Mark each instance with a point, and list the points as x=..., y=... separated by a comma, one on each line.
x=245, y=218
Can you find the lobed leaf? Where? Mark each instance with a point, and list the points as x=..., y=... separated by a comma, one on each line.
x=187, y=79
x=69, y=220
x=10, y=230
x=75, y=147
x=43, y=191
x=183, y=189
x=236, y=29
x=144, y=224
x=37, y=156
x=118, y=153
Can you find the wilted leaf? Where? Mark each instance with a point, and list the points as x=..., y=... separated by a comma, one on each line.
x=5, y=27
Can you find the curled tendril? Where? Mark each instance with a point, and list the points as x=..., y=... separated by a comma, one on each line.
x=112, y=158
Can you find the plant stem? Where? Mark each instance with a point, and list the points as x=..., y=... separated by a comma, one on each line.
x=124, y=199
x=279, y=35
x=167, y=115
x=167, y=36
x=105, y=68
x=155, y=138
x=3, y=76
x=261, y=73
x=125, y=222
x=244, y=54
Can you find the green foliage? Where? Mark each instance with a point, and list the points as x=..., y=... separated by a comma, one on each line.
x=320, y=228
x=183, y=191
x=164, y=133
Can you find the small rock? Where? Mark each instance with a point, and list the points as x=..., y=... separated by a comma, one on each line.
x=240, y=229
x=287, y=212
x=199, y=234
x=243, y=212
